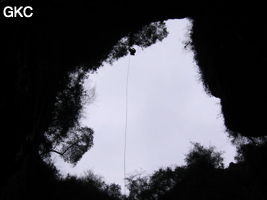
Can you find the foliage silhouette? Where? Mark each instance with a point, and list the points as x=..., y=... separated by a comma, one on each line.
x=204, y=177
x=204, y=158
x=47, y=183
x=144, y=37
x=72, y=148
x=200, y=162
x=65, y=136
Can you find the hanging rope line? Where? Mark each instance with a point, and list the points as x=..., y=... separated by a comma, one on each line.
x=132, y=52
x=126, y=123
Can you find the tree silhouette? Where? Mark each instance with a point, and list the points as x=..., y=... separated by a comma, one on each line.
x=72, y=148
x=138, y=185
x=65, y=136
x=204, y=177
x=201, y=157
x=144, y=37
x=203, y=167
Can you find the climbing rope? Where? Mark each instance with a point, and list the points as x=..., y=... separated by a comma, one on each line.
x=126, y=122
x=132, y=52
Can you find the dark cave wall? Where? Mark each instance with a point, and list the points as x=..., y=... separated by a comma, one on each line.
x=230, y=51
x=37, y=54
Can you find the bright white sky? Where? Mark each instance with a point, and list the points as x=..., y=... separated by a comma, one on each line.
x=167, y=109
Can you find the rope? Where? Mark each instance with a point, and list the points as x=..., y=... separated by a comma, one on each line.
x=126, y=123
